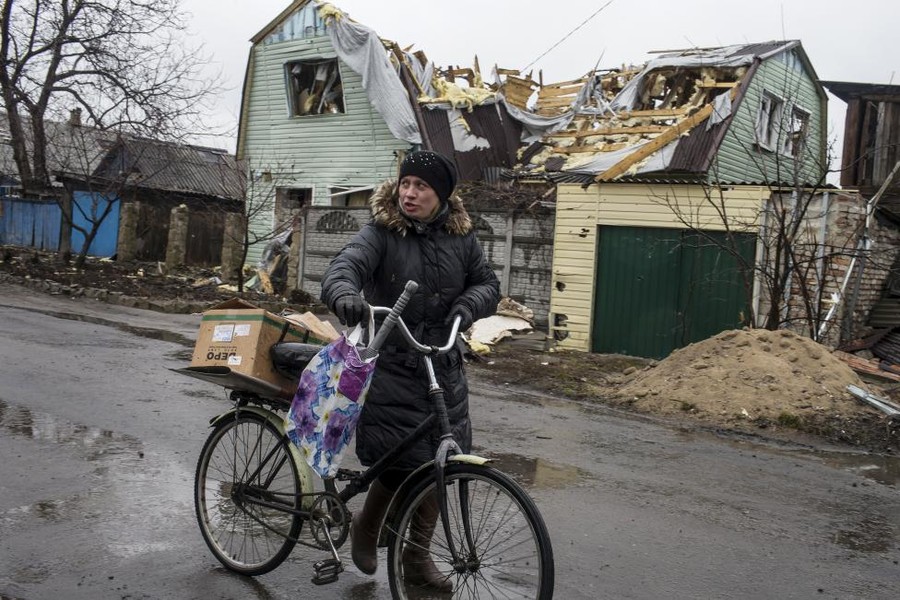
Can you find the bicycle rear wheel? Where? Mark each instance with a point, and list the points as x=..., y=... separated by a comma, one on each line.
x=496, y=528
x=245, y=462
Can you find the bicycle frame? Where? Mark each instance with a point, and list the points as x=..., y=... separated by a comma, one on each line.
x=327, y=509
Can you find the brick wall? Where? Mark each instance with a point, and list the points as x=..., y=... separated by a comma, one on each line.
x=843, y=225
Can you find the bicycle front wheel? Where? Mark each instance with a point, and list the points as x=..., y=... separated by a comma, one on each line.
x=502, y=544
x=245, y=485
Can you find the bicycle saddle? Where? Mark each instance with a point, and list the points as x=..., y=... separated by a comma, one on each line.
x=290, y=358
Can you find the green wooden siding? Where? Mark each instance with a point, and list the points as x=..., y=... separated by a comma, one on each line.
x=661, y=289
x=318, y=152
x=740, y=160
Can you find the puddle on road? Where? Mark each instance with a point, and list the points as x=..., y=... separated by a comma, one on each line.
x=94, y=442
x=883, y=469
x=536, y=472
x=147, y=332
x=127, y=484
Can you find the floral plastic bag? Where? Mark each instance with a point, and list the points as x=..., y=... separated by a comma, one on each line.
x=328, y=402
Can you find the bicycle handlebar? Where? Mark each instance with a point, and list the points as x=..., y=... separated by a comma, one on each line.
x=394, y=319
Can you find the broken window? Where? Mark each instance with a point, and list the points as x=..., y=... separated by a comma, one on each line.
x=314, y=87
x=767, y=121
x=795, y=135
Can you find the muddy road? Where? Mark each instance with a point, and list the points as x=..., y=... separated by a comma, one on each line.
x=99, y=442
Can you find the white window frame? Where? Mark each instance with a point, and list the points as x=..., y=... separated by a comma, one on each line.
x=768, y=120
x=788, y=147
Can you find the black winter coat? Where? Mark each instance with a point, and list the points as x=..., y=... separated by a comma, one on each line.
x=447, y=262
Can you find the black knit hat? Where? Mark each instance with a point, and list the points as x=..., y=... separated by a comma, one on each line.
x=435, y=169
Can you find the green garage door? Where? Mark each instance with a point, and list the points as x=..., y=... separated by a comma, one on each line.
x=661, y=289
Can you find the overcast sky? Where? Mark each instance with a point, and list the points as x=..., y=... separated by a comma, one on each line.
x=846, y=41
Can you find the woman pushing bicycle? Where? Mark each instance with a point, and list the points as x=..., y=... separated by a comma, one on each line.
x=419, y=231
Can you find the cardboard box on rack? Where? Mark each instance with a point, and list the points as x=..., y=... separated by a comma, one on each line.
x=238, y=335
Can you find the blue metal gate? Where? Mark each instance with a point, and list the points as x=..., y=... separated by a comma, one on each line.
x=87, y=209
x=30, y=223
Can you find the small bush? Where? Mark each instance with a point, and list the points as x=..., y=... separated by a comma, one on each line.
x=788, y=420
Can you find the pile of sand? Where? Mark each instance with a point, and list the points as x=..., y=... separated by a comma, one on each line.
x=756, y=375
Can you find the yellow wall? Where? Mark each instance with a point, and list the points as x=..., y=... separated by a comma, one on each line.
x=580, y=211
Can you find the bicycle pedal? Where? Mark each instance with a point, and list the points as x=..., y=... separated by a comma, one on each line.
x=327, y=571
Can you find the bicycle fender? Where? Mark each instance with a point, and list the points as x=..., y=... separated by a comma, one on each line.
x=469, y=459
x=304, y=471
x=415, y=477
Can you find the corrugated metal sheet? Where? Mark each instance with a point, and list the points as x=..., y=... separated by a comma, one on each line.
x=494, y=123
x=490, y=122
x=888, y=347
x=762, y=48
x=175, y=168
x=886, y=313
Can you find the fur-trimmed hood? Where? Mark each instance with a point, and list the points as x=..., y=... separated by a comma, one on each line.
x=385, y=204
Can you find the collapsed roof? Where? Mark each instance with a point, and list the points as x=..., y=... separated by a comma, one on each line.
x=636, y=121
x=605, y=125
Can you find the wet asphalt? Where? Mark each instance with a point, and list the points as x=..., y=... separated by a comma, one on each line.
x=99, y=441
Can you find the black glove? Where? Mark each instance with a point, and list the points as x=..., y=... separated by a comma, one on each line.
x=351, y=309
x=463, y=312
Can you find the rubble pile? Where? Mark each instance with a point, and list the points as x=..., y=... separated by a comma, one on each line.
x=755, y=375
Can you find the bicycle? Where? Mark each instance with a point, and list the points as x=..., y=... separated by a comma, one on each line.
x=254, y=492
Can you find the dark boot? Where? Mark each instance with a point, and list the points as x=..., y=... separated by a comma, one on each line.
x=366, y=526
x=418, y=567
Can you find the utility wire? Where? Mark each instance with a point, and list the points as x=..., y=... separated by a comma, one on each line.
x=583, y=23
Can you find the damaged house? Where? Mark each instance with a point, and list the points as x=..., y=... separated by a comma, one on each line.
x=658, y=169
x=329, y=109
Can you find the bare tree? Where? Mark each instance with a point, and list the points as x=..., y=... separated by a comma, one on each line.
x=124, y=63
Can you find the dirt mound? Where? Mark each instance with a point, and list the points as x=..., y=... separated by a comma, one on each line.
x=753, y=375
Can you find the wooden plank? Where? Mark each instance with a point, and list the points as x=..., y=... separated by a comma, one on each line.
x=596, y=149
x=580, y=81
x=655, y=144
x=718, y=84
x=655, y=113
x=640, y=129
x=862, y=365
x=556, y=92
x=561, y=103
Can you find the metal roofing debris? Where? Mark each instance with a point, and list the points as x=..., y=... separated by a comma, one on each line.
x=883, y=404
x=83, y=153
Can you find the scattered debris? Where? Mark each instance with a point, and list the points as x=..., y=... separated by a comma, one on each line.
x=271, y=270
x=511, y=317
x=206, y=282
x=869, y=367
x=882, y=404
